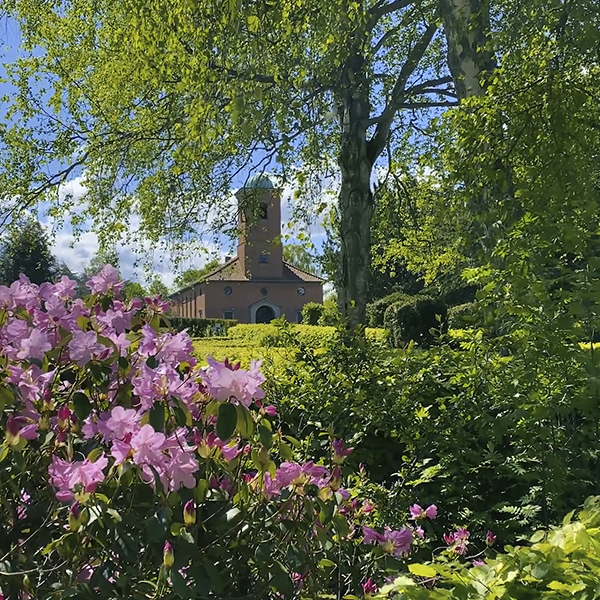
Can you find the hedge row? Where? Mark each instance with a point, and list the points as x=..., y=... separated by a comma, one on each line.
x=415, y=318
x=202, y=327
x=310, y=335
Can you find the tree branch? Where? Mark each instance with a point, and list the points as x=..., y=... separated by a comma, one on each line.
x=377, y=143
x=379, y=10
x=384, y=37
x=429, y=84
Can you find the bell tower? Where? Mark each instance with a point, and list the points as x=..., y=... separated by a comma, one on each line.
x=259, y=244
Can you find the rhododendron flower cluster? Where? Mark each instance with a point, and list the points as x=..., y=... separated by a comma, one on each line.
x=396, y=543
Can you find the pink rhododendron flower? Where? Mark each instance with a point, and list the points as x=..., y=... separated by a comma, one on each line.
x=369, y=587
x=105, y=281
x=147, y=445
x=84, y=346
x=490, y=539
x=340, y=451
x=371, y=536
x=416, y=512
x=69, y=476
x=396, y=543
x=449, y=538
x=35, y=346
x=367, y=507
x=478, y=563
x=431, y=512
x=224, y=383
x=122, y=421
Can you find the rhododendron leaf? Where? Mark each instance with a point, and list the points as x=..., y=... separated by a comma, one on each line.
x=212, y=408
x=226, y=421
x=7, y=397
x=152, y=362
x=81, y=405
x=266, y=437
x=245, y=423
x=422, y=570
x=293, y=441
x=123, y=362
x=156, y=416
x=201, y=490
x=325, y=563
x=285, y=451
x=281, y=580
x=95, y=454
x=341, y=524
x=176, y=528
x=3, y=452
x=266, y=423
x=181, y=418
x=180, y=587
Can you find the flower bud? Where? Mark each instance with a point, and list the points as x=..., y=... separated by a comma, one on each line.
x=168, y=556
x=189, y=513
x=490, y=539
x=75, y=517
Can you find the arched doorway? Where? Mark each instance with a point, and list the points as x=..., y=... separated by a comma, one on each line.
x=265, y=314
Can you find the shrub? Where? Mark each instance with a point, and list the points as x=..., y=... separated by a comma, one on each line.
x=462, y=316
x=312, y=312
x=376, y=310
x=202, y=327
x=414, y=319
x=559, y=563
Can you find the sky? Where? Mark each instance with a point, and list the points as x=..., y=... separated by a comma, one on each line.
x=76, y=253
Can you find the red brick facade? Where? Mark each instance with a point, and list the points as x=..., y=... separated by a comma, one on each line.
x=257, y=285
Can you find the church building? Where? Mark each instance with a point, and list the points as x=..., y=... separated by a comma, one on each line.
x=257, y=285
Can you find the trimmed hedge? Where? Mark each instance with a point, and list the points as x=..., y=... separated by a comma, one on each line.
x=202, y=327
x=376, y=310
x=462, y=316
x=413, y=319
x=314, y=336
x=312, y=312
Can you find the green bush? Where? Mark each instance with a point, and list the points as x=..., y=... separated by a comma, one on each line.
x=270, y=334
x=462, y=316
x=202, y=327
x=312, y=313
x=414, y=319
x=376, y=310
x=560, y=563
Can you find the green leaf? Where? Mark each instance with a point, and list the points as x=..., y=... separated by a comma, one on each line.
x=226, y=421
x=81, y=405
x=245, y=422
x=7, y=397
x=266, y=437
x=156, y=416
x=422, y=570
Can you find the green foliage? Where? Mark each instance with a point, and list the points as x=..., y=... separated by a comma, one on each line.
x=133, y=289
x=26, y=249
x=419, y=319
x=562, y=562
x=312, y=312
x=462, y=316
x=314, y=336
x=376, y=310
x=202, y=327
x=158, y=288
x=299, y=256
x=192, y=276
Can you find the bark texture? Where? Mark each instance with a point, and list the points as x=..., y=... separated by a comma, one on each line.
x=356, y=199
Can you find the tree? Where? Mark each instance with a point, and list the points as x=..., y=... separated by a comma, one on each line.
x=299, y=256
x=158, y=288
x=26, y=250
x=165, y=112
x=192, y=276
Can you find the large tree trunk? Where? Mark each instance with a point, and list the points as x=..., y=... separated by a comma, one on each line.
x=356, y=199
x=470, y=56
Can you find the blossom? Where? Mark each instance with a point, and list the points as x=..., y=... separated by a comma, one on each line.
x=340, y=451
x=122, y=421
x=449, y=538
x=84, y=346
x=369, y=587
x=367, y=507
x=105, y=281
x=478, y=563
x=34, y=346
x=18, y=428
x=189, y=512
x=490, y=538
x=168, y=556
x=393, y=542
x=68, y=477
x=416, y=512
x=224, y=383
x=147, y=445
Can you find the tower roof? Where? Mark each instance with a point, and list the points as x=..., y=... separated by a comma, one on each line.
x=259, y=181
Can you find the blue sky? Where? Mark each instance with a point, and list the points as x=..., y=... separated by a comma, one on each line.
x=77, y=253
